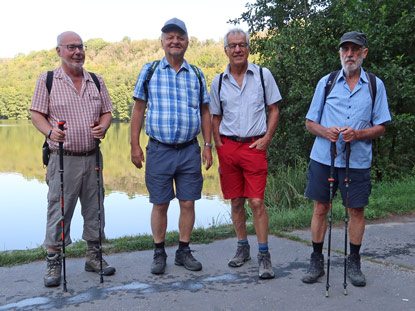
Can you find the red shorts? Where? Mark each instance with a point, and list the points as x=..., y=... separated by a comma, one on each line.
x=242, y=170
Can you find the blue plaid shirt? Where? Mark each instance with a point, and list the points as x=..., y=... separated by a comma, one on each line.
x=173, y=113
x=346, y=108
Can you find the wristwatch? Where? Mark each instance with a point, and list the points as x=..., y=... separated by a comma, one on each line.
x=208, y=145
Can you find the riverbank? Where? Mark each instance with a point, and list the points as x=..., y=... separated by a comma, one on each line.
x=388, y=199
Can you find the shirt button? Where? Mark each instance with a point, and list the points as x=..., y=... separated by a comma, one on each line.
x=348, y=117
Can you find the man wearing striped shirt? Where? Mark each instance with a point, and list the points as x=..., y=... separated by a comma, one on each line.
x=176, y=112
x=75, y=98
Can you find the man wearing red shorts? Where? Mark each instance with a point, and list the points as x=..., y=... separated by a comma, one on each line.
x=239, y=98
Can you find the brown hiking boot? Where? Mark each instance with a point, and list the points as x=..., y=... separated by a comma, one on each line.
x=93, y=263
x=53, y=272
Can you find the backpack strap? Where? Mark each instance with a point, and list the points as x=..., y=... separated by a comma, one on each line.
x=49, y=81
x=263, y=85
x=219, y=87
x=261, y=74
x=150, y=72
x=330, y=84
x=372, y=87
x=94, y=77
x=199, y=76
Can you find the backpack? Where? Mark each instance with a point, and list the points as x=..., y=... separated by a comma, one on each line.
x=49, y=83
x=333, y=78
x=262, y=83
x=153, y=67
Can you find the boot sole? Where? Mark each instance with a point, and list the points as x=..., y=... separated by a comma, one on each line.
x=234, y=264
x=52, y=284
x=313, y=280
x=177, y=263
x=110, y=271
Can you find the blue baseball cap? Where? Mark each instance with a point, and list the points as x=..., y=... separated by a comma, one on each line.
x=174, y=23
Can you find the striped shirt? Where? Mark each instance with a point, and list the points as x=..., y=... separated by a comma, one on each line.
x=79, y=110
x=347, y=108
x=173, y=113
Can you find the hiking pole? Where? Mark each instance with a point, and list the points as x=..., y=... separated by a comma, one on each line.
x=331, y=180
x=61, y=124
x=346, y=217
x=97, y=169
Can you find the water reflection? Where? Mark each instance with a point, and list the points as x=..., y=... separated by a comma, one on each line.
x=23, y=191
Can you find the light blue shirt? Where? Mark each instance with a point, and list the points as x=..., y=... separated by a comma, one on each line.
x=173, y=113
x=346, y=108
x=243, y=107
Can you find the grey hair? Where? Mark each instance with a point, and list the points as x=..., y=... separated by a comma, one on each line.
x=235, y=31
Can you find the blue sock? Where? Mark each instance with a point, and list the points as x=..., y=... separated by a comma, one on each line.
x=245, y=241
x=263, y=247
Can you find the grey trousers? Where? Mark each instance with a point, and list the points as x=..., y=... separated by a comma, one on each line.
x=80, y=181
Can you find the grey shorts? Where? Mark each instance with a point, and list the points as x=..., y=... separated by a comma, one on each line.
x=165, y=164
x=318, y=185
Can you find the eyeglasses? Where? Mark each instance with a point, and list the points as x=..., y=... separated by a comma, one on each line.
x=72, y=47
x=353, y=48
x=233, y=46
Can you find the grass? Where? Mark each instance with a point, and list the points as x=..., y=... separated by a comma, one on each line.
x=287, y=207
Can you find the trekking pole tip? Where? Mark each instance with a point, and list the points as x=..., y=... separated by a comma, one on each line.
x=345, y=292
x=327, y=293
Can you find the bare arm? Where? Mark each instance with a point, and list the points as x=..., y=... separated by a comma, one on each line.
x=349, y=134
x=42, y=124
x=100, y=130
x=207, y=136
x=216, y=120
x=137, y=155
x=273, y=117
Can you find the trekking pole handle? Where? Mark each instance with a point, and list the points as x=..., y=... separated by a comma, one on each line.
x=61, y=124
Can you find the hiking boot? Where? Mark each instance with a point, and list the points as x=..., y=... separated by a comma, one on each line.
x=265, y=266
x=316, y=268
x=241, y=256
x=158, y=266
x=53, y=272
x=93, y=264
x=185, y=258
x=355, y=275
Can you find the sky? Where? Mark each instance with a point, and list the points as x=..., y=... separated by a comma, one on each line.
x=33, y=25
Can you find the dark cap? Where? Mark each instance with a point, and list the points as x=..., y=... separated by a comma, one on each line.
x=174, y=23
x=354, y=36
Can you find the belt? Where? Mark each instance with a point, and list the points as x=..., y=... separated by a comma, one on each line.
x=176, y=146
x=243, y=139
x=74, y=153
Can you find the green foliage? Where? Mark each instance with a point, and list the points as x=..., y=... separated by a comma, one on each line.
x=298, y=42
x=118, y=63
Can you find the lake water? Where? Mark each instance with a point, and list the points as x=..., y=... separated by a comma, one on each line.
x=23, y=190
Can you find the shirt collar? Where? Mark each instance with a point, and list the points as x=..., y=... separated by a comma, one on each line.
x=251, y=68
x=164, y=63
x=362, y=75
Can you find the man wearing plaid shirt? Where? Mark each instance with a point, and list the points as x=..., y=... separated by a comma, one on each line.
x=74, y=97
x=175, y=115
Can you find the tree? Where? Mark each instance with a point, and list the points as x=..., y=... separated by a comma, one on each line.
x=298, y=42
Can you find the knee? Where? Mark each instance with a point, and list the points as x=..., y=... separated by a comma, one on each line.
x=321, y=209
x=357, y=213
x=258, y=207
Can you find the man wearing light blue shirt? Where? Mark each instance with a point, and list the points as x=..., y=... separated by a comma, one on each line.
x=242, y=135
x=347, y=115
x=177, y=111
